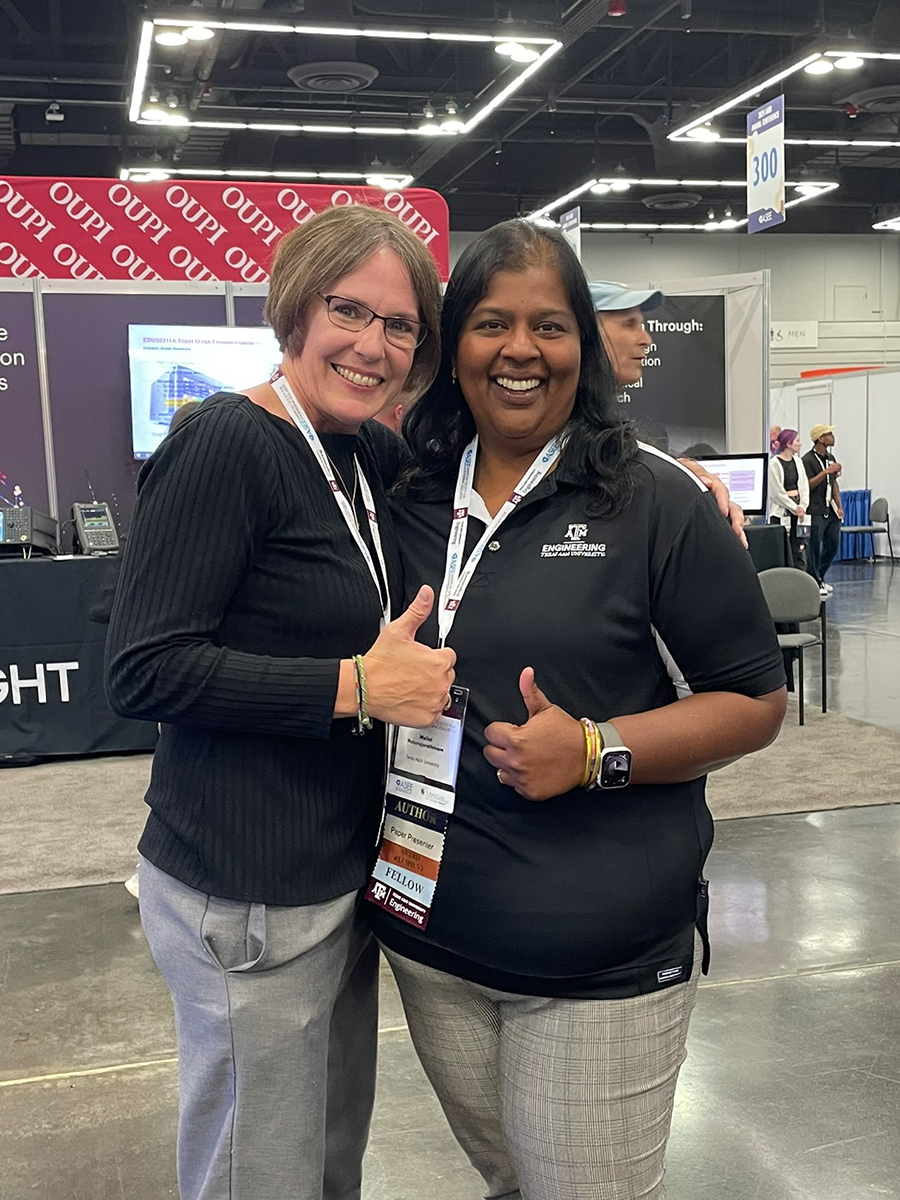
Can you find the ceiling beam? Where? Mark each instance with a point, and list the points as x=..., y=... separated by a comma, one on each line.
x=25, y=30
x=601, y=59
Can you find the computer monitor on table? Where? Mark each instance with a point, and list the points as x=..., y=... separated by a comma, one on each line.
x=745, y=475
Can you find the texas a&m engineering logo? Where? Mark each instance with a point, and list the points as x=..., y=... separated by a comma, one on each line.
x=574, y=545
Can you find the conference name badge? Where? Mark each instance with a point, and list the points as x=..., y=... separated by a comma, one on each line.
x=420, y=795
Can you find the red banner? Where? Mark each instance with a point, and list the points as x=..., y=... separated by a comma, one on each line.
x=201, y=231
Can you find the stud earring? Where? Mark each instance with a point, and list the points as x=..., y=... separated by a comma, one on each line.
x=453, y=374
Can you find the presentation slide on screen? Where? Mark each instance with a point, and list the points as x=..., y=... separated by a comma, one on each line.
x=745, y=478
x=172, y=364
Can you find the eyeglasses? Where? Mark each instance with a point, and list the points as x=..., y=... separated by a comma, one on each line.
x=350, y=314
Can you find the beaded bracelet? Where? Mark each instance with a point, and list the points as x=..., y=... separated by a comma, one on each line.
x=363, y=720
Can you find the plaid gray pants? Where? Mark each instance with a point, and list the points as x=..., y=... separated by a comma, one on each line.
x=552, y=1099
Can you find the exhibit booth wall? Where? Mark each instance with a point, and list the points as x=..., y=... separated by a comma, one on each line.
x=65, y=413
x=864, y=407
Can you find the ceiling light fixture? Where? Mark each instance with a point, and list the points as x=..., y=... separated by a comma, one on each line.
x=517, y=52
x=389, y=183
x=198, y=33
x=536, y=52
x=452, y=123
x=704, y=133
x=761, y=84
x=141, y=174
x=171, y=37
x=850, y=62
x=819, y=66
x=617, y=8
x=619, y=183
x=54, y=113
x=601, y=187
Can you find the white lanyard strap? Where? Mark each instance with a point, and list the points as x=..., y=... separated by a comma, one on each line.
x=300, y=419
x=456, y=576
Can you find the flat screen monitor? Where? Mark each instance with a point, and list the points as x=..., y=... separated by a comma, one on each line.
x=745, y=475
x=172, y=364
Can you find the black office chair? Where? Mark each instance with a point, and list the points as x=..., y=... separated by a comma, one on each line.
x=793, y=596
x=879, y=522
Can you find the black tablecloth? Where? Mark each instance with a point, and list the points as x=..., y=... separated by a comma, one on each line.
x=769, y=546
x=52, y=701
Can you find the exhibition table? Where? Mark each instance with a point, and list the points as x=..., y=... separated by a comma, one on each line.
x=52, y=702
x=768, y=546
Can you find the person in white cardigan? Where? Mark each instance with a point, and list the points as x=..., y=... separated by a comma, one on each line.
x=789, y=491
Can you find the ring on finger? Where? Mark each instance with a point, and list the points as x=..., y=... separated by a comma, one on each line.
x=500, y=774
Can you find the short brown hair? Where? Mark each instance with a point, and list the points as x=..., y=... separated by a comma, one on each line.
x=330, y=245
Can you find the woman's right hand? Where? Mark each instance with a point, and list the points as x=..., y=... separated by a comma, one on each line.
x=801, y=512
x=408, y=683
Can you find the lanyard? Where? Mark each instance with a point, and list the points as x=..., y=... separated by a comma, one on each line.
x=823, y=463
x=456, y=576
x=300, y=419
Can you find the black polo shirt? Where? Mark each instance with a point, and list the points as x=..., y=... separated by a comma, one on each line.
x=591, y=894
x=820, y=496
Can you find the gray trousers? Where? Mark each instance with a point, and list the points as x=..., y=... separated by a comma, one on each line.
x=276, y=1021
x=552, y=1099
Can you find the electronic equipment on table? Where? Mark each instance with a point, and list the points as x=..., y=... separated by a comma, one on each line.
x=94, y=529
x=745, y=475
x=25, y=530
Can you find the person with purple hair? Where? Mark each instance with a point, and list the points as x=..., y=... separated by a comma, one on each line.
x=788, y=491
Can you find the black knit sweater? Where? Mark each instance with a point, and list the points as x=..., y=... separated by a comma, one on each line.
x=240, y=592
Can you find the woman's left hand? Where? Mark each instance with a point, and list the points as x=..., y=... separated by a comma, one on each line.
x=543, y=758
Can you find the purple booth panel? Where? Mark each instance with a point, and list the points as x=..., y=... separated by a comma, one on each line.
x=248, y=310
x=22, y=462
x=87, y=354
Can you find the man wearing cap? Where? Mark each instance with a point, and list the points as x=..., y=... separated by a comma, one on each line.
x=620, y=319
x=825, y=508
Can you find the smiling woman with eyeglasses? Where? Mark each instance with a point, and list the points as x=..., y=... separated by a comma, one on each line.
x=253, y=619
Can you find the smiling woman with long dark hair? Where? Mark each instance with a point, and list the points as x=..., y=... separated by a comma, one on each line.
x=549, y=981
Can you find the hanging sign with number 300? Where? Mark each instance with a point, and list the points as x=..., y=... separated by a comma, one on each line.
x=765, y=166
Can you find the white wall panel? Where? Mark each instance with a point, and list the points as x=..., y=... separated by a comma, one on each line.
x=849, y=415
x=783, y=408
x=883, y=440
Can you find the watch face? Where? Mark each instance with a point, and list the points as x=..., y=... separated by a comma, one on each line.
x=615, y=771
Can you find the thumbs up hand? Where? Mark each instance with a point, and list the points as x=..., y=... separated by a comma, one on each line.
x=407, y=682
x=543, y=758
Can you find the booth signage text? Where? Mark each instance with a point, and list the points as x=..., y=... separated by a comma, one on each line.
x=202, y=231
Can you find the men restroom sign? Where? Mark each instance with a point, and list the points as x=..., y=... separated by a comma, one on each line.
x=765, y=166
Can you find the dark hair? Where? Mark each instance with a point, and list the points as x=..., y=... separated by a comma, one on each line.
x=600, y=447
x=699, y=450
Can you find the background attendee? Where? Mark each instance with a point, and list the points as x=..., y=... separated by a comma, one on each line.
x=620, y=319
x=774, y=431
x=550, y=992
x=789, y=491
x=393, y=415
x=253, y=620
x=824, y=504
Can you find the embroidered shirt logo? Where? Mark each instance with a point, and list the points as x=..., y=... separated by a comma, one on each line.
x=574, y=545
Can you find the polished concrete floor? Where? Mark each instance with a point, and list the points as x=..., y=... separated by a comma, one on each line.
x=791, y=1090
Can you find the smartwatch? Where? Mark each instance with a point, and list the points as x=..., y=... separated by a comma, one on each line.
x=615, y=759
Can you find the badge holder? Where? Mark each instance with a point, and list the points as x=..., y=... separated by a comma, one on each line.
x=419, y=797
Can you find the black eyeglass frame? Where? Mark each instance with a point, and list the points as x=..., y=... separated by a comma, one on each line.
x=424, y=329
